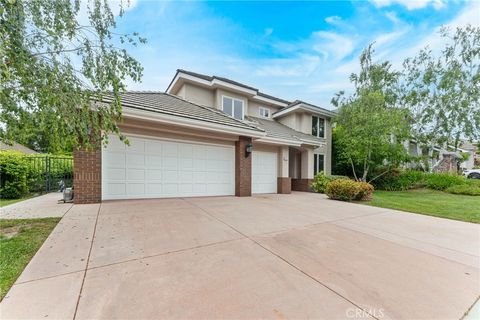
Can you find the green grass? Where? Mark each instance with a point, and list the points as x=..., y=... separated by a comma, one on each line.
x=430, y=202
x=19, y=241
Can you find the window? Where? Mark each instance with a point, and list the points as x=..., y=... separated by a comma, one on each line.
x=233, y=107
x=318, y=127
x=264, y=112
x=318, y=163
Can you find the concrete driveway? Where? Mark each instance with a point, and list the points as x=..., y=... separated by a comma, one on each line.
x=273, y=256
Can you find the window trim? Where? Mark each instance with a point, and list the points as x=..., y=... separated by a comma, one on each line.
x=314, y=157
x=260, y=112
x=318, y=126
x=233, y=106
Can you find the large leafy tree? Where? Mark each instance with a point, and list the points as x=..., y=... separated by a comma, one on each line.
x=370, y=126
x=442, y=89
x=56, y=57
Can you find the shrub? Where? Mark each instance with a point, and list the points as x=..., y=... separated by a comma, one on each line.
x=14, y=170
x=398, y=180
x=342, y=189
x=466, y=189
x=321, y=180
x=442, y=181
x=366, y=191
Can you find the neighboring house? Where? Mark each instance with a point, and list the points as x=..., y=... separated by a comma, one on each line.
x=207, y=136
x=414, y=149
x=16, y=147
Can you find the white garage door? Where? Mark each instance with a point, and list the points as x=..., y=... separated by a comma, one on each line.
x=150, y=168
x=264, y=172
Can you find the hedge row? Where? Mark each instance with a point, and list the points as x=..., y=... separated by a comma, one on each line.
x=341, y=187
x=19, y=175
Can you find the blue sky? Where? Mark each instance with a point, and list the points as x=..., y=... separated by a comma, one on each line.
x=293, y=50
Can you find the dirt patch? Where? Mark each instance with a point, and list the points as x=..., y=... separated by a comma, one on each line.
x=10, y=232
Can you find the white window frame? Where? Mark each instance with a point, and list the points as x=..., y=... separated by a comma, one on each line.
x=317, y=168
x=318, y=126
x=264, y=109
x=233, y=106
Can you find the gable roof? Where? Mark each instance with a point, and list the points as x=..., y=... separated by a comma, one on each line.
x=230, y=81
x=277, y=130
x=299, y=104
x=160, y=102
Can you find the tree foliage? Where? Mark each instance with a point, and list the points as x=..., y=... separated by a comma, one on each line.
x=56, y=57
x=370, y=127
x=442, y=91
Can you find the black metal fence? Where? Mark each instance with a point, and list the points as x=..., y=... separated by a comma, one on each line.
x=48, y=172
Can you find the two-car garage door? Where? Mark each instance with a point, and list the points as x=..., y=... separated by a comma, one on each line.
x=150, y=168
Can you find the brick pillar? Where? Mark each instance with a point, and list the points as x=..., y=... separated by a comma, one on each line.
x=301, y=185
x=243, y=168
x=87, y=176
x=284, y=185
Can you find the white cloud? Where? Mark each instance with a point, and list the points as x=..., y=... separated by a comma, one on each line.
x=333, y=19
x=268, y=32
x=410, y=4
x=392, y=16
x=332, y=45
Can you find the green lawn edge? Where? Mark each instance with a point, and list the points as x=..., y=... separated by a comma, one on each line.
x=17, y=251
x=429, y=202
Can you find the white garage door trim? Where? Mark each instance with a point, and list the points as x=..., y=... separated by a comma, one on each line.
x=164, y=168
x=264, y=172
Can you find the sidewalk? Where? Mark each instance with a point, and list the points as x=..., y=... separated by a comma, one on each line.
x=38, y=207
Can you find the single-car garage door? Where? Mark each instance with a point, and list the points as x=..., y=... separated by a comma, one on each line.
x=151, y=168
x=264, y=172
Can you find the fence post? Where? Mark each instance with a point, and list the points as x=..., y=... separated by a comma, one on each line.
x=47, y=174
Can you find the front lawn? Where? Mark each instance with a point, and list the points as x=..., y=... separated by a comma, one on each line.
x=430, y=202
x=19, y=241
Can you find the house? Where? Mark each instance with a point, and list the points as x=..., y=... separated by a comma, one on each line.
x=16, y=147
x=206, y=136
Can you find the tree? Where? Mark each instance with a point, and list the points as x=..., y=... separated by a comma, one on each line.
x=442, y=91
x=53, y=65
x=370, y=127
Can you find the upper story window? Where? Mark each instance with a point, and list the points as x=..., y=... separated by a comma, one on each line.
x=318, y=127
x=264, y=112
x=233, y=107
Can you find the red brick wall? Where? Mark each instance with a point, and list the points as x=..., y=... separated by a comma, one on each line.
x=87, y=176
x=284, y=185
x=243, y=168
x=301, y=185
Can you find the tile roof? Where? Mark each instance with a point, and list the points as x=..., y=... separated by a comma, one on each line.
x=278, y=130
x=165, y=103
x=320, y=109
x=16, y=147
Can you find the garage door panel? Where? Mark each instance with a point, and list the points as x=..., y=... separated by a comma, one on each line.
x=154, y=174
x=153, y=161
x=135, y=188
x=115, y=189
x=155, y=168
x=136, y=174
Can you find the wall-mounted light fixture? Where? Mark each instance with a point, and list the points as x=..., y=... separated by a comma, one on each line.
x=248, y=149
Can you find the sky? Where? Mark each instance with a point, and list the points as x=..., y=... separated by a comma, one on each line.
x=289, y=49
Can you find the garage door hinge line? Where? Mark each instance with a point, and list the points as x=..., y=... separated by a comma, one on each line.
x=88, y=261
x=283, y=259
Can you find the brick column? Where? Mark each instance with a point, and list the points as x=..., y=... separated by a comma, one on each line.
x=87, y=176
x=243, y=168
x=284, y=185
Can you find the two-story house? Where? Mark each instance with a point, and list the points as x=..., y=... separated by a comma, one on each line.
x=207, y=136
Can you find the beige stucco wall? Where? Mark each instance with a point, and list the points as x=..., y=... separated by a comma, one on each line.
x=199, y=95
x=254, y=107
